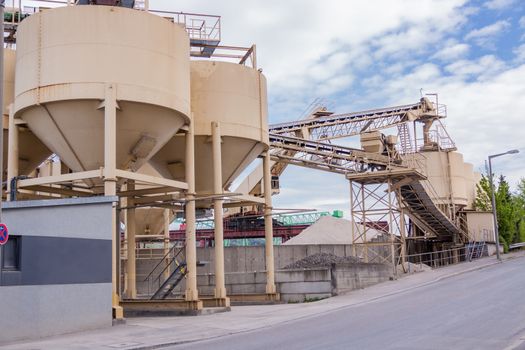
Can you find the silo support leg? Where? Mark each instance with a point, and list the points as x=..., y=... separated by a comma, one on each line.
x=220, y=288
x=192, y=294
x=131, y=292
x=110, y=187
x=12, y=155
x=268, y=227
x=166, y=216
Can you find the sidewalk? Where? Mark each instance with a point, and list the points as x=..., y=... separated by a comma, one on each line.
x=147, y=333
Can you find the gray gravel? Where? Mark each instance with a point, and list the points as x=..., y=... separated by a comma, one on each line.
x=322, y=260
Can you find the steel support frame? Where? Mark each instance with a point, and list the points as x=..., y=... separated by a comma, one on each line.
x=372, y=204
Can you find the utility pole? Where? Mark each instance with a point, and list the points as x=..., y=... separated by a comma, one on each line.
x=493, y=198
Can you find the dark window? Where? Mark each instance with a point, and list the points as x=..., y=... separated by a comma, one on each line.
x=11, y=254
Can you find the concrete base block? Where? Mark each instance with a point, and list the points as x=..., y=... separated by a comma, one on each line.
x=216, y=302
x=140, y=308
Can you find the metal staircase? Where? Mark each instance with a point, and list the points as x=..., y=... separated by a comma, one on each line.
x=405, y=146
x=475, y=250
x=163, y=278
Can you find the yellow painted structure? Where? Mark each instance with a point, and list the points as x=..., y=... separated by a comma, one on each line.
x=31, y=151
x=65, y=59
x=451, y=179
x=233, y=96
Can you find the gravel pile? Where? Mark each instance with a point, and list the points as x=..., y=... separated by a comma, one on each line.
x=330, y=230
x=322, y=260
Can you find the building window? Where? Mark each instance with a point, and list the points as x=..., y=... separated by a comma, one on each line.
x=11, y=254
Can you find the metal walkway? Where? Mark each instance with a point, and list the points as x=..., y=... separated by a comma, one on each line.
x=345, y=160
x=350, y=124
x=325, y=156
x=424, y=211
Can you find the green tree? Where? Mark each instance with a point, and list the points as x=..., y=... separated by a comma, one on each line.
x=506, y=213
x=520, y=210
x=483, y=193
x=510, y=208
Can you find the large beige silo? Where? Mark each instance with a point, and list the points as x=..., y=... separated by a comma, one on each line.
x=229, y=109
x=234, y=96
x=470, y=184
x=68, y=58
x=438, y=166
x=31, y=151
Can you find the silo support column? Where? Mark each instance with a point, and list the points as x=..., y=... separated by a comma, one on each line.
x=220, y=289
x=166, y=216
x=110, y=187
x=131, y=292
x=268, y=226
x=192, y=294
x=12, y=149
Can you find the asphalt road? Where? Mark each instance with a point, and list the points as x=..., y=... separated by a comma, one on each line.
x=483, y=309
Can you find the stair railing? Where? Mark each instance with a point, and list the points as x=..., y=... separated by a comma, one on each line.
x=153, y=277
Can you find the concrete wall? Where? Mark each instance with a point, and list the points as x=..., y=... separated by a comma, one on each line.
x=63, y=282
x=244, y=259
x=294, y=285
x=349, y=277
x=237, y=259
x=245, y=272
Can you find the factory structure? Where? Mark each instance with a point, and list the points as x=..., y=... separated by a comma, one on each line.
x=120, y=120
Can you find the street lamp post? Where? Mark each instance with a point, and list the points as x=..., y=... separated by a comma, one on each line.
x=493, y=198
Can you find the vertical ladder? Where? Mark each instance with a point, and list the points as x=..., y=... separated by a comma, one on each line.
x=405, y=144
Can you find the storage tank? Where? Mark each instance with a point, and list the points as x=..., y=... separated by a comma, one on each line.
x=66, y=58
x=234, y=96
x=31, y=151
x=470, y=184
x=436, y=169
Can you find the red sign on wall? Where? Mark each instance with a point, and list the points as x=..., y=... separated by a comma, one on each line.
x=4, y=234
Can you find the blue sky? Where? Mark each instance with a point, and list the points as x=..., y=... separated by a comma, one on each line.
x=358, y=54
x=364, y=54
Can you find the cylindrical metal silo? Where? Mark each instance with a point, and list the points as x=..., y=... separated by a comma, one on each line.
x=234, y=96
x=67, y=57
x=31, y=151
x=444, y=171
x=470, y=184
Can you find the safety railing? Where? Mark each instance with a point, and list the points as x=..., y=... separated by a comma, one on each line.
x=436, y=259
x=154, y=279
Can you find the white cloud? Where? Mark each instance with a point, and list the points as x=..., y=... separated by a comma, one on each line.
x=452, y=51
x=522, y=22
x=520, y=53
x=309, y=48
x=483, y=113
x=295, y=37
x=485, y=35
x=482, y=68
x=498, y=4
